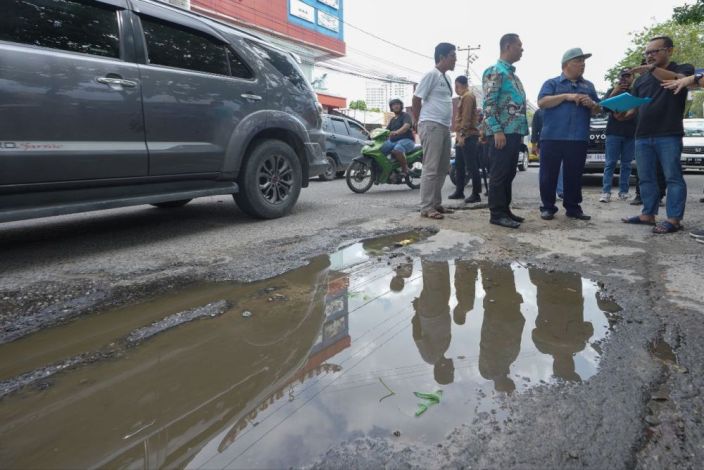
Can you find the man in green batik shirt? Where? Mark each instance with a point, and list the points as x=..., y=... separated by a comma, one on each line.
x=505, y=125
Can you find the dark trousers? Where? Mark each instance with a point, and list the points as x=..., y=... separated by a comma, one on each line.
x=571, y=155
x=502, y=171
x=468, y=159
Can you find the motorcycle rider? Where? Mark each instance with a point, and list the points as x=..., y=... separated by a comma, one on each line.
x=401, y=138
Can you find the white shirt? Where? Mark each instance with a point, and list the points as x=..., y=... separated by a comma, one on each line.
x=435, y=91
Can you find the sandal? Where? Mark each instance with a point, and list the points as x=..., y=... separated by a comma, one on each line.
x=666, y=227
x=636, y=220
x=432, y=215
x=444, y=210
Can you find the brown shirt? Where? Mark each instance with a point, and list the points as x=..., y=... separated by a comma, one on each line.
x=467, y=118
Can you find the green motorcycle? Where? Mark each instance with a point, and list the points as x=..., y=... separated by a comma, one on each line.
x=373, y=167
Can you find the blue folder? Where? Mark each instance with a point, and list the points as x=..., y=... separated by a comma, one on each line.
x=623, y=102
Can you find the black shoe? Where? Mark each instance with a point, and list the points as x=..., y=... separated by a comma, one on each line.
x=580, y=216
x=505, y=222
x=516, y=218
x=473, y=198
x=456, y=196
x=701, y=200
x=560, y=196
x=547, y=215
x=637, y=201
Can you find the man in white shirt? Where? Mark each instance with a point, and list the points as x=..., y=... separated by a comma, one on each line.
x=432, y=113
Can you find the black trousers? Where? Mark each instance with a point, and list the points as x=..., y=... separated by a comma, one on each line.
x=571, y=155
x=468, y=159
x=502, y=171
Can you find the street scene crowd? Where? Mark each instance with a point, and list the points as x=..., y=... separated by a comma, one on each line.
x=651, y=133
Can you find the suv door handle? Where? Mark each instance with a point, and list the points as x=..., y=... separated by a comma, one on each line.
x=248, y=96
x=116, y=82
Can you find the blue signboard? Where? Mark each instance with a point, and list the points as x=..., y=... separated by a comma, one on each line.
x=321, y=16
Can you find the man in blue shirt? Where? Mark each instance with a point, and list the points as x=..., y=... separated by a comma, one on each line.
x=569, y=101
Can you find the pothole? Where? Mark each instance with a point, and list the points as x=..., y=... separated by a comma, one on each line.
x=352, y=344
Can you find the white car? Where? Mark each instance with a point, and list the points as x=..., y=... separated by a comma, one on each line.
x=693, y=144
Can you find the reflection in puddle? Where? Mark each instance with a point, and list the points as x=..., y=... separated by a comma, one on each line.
x=340, y=357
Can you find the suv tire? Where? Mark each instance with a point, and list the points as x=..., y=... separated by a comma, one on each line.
x=270, y=181
x=331, y=170
x=172, y=204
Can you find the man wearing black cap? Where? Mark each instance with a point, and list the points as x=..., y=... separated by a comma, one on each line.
x=620, y=143
x=569, y=101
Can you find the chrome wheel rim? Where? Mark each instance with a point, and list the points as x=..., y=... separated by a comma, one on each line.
x=275, y=179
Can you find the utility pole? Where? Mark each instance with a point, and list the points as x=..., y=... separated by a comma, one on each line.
x=471, y=56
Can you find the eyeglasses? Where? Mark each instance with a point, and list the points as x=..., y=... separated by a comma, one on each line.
x=655, y=51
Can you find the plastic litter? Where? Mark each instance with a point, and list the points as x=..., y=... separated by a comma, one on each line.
x=430, y=400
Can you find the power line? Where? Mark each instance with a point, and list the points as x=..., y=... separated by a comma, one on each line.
x=387, y=41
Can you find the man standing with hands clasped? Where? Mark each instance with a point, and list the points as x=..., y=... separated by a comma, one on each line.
x=569, y=102
x=432, y=112
x=505, y=124
x=659, y=132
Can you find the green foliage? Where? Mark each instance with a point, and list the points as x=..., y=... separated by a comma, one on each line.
x=688, y=39
x=688, y=14
x=358, y=104
x=696, y=106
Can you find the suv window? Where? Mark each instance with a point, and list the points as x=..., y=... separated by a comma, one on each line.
x=358, y=131
x=61, y=24
x=283, y=63
x=174, y=46
x=339, y=126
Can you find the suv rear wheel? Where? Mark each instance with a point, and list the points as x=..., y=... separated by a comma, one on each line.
x=330, y=171
x=270, y=181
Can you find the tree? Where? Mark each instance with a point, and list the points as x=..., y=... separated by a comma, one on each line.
x=688, y=39
x=688, y=14
x=696, y=106
x=358, y=104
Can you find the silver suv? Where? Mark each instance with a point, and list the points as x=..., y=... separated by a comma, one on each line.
x=112, y=103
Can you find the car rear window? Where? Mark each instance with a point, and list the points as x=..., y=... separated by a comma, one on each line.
x=174, y=46
x=339, y=126
x=358, y=132
x=68, y=25
x=284, y=63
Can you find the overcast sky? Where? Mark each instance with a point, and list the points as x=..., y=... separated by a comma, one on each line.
x=547, y=29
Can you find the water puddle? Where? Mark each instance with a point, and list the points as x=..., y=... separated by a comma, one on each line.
x=301, y=362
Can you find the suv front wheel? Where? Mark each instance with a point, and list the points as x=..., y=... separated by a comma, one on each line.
x=270, y=181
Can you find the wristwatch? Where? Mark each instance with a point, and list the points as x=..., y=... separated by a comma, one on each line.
x=698, y=78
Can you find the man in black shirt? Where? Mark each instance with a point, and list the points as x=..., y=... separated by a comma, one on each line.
x=620, y=143
x=659, y=132
x=401, y=138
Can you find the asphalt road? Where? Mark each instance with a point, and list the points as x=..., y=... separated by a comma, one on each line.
x=55, y=269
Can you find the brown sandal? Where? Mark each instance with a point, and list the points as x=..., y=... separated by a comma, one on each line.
x=432, y=215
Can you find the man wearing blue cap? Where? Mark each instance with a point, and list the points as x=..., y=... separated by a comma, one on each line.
x=569, y=101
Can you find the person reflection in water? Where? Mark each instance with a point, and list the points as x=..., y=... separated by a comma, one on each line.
x=401, y=272
x=560, y=329
x=465, y=280
x=431, y=323
x=502, y=327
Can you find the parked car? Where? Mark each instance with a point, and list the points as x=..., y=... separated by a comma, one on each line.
x=115, y=103
x=596, y=149
x=344, y=139
x=693, y=144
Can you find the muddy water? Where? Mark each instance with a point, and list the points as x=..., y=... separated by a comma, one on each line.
x=331, y=351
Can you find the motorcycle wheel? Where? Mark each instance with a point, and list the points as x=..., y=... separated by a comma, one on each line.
x=360, y=177
x=414, y=173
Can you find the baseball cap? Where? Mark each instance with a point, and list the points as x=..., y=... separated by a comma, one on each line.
x=574, y=53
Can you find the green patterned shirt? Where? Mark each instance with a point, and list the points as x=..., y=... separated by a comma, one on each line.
x=504, y=100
